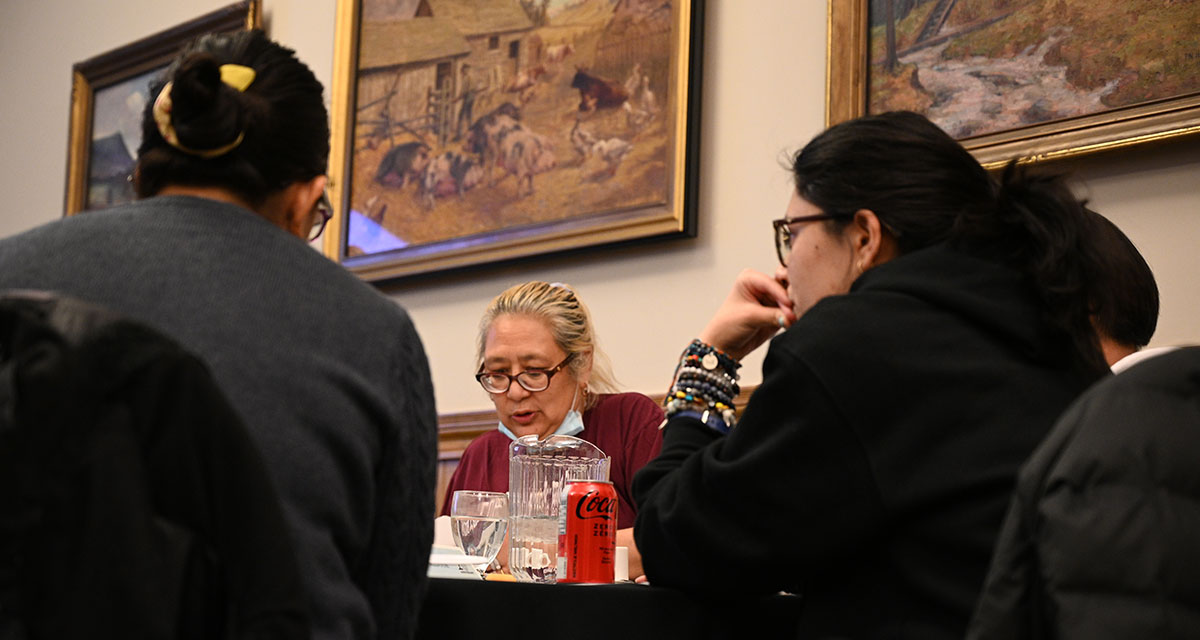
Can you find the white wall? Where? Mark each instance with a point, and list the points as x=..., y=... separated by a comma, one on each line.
x=763, y=95
x=42, y=39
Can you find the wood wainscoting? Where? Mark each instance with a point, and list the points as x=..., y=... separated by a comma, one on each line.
x=457, y=430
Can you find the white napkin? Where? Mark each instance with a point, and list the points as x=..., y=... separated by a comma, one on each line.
x=621, y=569
x=442, y=537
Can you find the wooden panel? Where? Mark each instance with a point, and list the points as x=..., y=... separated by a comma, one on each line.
x=457, y=430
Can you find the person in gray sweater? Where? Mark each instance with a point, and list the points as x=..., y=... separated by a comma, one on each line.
x=329, y=375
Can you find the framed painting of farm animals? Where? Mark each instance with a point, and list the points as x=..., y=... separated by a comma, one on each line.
x=468, y=132
x=109, y=94
x=1021, y=79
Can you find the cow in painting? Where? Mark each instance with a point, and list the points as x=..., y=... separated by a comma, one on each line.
x=596, y=92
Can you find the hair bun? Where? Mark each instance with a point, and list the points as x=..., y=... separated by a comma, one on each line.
x=206, y=112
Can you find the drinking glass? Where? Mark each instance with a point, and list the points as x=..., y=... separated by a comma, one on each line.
x=478, y=522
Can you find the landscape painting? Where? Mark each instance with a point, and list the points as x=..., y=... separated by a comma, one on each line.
x=109, y=93
x=1008, y=73
x=116, y=136
x=482, y=130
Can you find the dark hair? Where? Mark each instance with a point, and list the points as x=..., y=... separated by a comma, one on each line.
x=927, y=189
x=1125, y=302
x=281, y=115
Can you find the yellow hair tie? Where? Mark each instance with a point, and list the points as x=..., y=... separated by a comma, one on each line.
x=236, y=76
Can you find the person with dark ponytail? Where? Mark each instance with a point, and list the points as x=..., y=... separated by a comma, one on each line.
x=256, y=137
x=935, y=322
x=329, y=375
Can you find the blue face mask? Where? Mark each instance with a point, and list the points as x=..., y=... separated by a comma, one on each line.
x=571, y=425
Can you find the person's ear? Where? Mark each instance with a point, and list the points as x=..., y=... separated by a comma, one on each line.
x=299, y=200
x=584, y=374
x=871, y=243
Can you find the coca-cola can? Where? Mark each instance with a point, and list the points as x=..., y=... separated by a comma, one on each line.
x=587, y=532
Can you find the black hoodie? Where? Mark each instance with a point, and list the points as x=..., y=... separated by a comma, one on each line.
x=871, y=468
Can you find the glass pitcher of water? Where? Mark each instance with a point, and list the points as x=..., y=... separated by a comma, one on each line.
x=537, y=473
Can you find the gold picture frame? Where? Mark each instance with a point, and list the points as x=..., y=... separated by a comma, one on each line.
x=106, y=97
x=848, y=85
x=459, y=140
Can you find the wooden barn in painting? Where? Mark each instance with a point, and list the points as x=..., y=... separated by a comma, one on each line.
x=406, y=75
x=410, y=68
x=496, y=30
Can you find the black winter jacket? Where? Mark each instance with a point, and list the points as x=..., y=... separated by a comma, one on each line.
x=133, y=503
x=1102, y=539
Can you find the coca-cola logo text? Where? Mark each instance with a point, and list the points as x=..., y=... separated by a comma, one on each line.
x=595, y=506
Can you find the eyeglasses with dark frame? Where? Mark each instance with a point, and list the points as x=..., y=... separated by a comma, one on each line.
x=783, y=231
x=531, y=380
x=324, y=209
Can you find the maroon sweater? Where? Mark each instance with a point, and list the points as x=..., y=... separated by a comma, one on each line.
x=623, y=425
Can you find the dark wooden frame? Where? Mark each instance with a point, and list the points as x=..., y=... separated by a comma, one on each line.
x=847, y=88
x=676, y=219
x=116, y=66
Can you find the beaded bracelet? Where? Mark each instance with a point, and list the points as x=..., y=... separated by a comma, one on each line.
x=710, y=357
x=689, y=399
x=720, y=383
x=703, y=390
x=704, y=384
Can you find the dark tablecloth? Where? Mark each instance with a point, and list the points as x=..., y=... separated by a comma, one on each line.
x=478, y=610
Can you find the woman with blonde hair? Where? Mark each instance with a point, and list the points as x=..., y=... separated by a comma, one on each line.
x=541, y=366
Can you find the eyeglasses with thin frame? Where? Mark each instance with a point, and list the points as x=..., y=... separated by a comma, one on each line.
x=531, y=380
x=783, y=232
x=324, y=210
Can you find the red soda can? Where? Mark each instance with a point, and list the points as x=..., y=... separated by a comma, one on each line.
x=587, y=532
